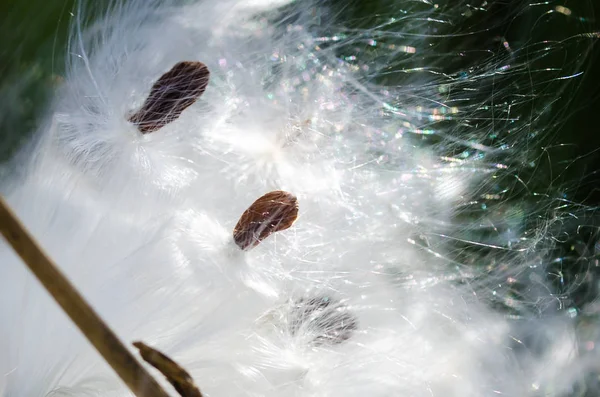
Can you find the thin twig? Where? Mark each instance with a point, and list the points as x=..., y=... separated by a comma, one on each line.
x=175, y=374
x=91, y=325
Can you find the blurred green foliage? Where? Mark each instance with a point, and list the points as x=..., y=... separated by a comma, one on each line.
x=33, y=35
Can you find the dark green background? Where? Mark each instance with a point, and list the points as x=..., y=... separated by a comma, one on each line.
x=32, y=40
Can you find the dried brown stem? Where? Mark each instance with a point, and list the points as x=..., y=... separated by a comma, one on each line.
x=273, y=212
x=81, y=313
x=172, y=93
x=175, y=374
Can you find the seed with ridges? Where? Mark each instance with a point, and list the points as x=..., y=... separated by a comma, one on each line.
x=172, y=93
x=273, y=212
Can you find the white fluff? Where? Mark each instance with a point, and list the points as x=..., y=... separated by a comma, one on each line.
x=142, y=223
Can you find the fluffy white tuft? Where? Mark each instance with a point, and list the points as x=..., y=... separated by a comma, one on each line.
x=369, y=293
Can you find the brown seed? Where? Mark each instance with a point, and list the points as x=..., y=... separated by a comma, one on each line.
x=273, y=212
x=177, y=376
x=172, y=93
